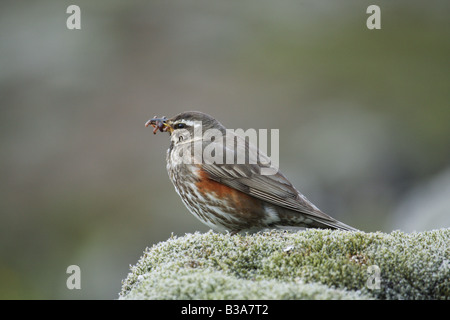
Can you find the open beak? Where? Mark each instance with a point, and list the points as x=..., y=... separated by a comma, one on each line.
x=162, y=124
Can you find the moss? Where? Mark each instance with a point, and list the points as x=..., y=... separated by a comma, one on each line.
x=312, y=264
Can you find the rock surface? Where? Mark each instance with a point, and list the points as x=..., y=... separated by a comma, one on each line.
x=312, y=264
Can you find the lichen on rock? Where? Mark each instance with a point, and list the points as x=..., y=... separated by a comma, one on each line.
x=311, y=264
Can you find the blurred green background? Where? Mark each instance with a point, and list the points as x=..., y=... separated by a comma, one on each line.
x=363, y=116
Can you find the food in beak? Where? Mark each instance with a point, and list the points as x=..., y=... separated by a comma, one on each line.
x=158, y=124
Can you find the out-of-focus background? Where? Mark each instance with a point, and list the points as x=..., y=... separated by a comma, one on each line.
x=364, y=119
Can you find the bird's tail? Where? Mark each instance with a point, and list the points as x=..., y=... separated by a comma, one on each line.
x=343, y=226
x=332, y=224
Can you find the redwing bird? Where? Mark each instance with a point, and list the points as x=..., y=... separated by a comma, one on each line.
x=233, y=197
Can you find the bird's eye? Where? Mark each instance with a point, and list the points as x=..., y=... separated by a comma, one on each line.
x=180, y=125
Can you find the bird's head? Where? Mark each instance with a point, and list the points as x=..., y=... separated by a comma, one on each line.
x=185, y=126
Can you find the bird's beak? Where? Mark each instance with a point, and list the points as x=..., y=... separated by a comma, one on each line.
x=162, y=124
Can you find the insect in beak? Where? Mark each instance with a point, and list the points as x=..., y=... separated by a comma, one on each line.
x=160, y=124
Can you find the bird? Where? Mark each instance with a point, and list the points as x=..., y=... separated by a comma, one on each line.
x=231, y=196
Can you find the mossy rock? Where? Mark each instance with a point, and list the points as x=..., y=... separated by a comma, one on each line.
x=311, y=264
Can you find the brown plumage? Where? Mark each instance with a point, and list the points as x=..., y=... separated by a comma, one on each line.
x=233, y=197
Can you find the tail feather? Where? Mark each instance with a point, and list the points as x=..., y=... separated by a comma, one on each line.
x=312, y=219
x=338, y=226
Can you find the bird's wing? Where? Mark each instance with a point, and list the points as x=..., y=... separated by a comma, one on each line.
x=275, y=189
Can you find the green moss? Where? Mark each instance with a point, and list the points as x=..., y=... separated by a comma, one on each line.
x=313, y=264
